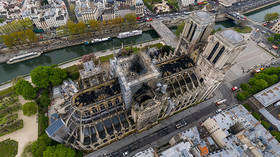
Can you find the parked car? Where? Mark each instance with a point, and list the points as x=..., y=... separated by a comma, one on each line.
x=219, y=111
x=181, y=124
x=234, y=88
x=220, y=102
x=274, y=47
x=125, y=153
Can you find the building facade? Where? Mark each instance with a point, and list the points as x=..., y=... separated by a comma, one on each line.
x=186, y=3
x=46, y=17
x=86, y=10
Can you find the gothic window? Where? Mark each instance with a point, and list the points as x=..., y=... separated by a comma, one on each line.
x=189, y=30
x=213, y=51
x=193, y=32
x=202, y=33
x=219, y=54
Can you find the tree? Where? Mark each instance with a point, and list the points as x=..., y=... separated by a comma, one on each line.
x=180, y=28
x=8, y=40
x=57, y=75
x=257, y=115
x=71, y=26
x=241, y=96
x=271, y=16
x=29, y=108
x=45, y=100
x=94, y=24
x=265, y=124
x=260, y=84
x=25, y=89
x=40, y=145
x=247, y=107
x=276, y=134
x=130, y=18
x=72, y=8
x=245, y=86
x=40, y=76
x=2, y=20
x=31, y=36
x=59, y=151
x=44, y=76
x=81, y=27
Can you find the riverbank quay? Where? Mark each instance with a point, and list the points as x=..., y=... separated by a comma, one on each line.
x=76, y=61
x=261, y=7
x=74, y=40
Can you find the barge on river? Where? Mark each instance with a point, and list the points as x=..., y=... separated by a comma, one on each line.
x=23, y=57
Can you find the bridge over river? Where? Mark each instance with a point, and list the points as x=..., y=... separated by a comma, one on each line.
x=165, y=33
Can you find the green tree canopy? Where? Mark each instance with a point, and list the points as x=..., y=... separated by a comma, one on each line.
x=130, y=18
x=180, y=28
x=260, y=84
x=94, y=24
x=29, y=108
x=40, y=76
x=19, y=38
x=265, y=124
x=40, y=145
x=44, y=76
x=81, y=27
x=44, y=100
x=242, y=95
x=245, y=86
x=59, y=151
x=257, y=115
x=25, y=89
x=71, y=26
x=56, y=76
x=271, y=16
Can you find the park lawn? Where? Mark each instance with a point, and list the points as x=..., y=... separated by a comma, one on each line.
x=6, y=91
x=8, y=148
x=106, y=58
x=73, y=72
x=72, y=69
x=243, y=29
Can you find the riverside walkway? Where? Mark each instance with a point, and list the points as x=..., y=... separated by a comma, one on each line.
x=165, y=33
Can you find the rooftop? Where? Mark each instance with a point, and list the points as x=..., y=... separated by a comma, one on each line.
x=181, y=149
x=232, y=36
x=54, y=127
x=269, y=95
x=146, y=153
x=204, y=17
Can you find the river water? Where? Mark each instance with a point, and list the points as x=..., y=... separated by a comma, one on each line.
x=8, y=72
x=258, y=15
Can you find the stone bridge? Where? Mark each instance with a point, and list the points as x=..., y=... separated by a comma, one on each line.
x=165, y=33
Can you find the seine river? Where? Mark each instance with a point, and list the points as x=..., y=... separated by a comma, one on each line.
x=9, y=72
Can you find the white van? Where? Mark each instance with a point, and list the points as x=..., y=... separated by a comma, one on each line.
x=219, y=111
x=220, y=102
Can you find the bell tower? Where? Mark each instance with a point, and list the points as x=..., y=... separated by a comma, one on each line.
x=197, y=28
x=217, y=58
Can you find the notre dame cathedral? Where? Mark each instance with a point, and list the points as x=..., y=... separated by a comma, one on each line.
x=137, y=90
